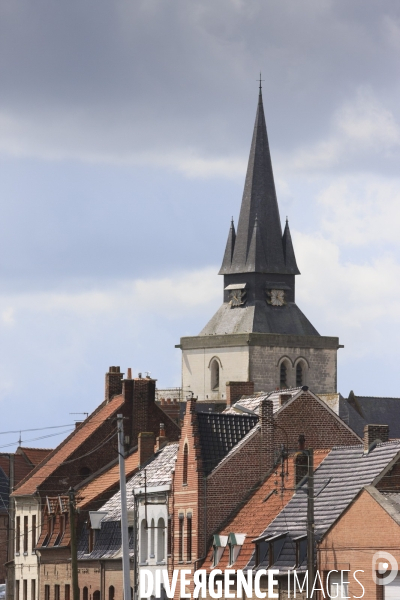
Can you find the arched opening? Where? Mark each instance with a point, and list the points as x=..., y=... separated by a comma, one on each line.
x=152, y=532
x=299, y=375
x=84, y=472
x=283, y=375
x=185, y=464
x=85, y=594
x=143, y=541
x=96, y=595
x=160, y=540
x=215, y=375
x=111, y=593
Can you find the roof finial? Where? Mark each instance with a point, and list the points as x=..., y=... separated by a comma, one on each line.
x=260, y=80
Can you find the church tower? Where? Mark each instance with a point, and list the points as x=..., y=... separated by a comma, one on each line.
x=259, y=334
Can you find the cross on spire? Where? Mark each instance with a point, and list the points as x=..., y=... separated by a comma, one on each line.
x=260, y=80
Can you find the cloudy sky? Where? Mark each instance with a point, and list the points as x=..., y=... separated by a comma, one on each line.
x=125, y=128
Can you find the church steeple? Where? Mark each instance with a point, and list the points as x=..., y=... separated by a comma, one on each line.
x=259, y=247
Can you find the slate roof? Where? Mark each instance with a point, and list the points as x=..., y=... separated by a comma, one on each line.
x=158, y=473
x=47, y=467
x=358, y=411
x=256, y=513
x=258, y=246
x=338, y=480
x=259, y=317
x=106, y=481
x=108, y=542
x=219, y=433
x=253, y=402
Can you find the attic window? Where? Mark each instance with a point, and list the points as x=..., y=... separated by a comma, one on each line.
x=235, y=542
x=84, y=472
x=219, y=544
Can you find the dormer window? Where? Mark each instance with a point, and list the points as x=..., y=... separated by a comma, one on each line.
x=235, y=542
x=301, y=550
x=268, y=549
x=219, y=545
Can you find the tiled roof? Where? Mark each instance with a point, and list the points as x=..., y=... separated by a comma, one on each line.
x=256, y=513
x=357, y=411
x=158, y=472
x=219, y=433
x=106, y=481
x=35, y=455
x=253, y=402
x=108, y=542
x=338, y=479
x=21, y=466
x=67, y=447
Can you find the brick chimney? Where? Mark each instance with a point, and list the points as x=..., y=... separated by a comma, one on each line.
x=267, y=436
x=143, y=402
x=113, y=383
x=162, y=439
x=145, y=446
x=374, y=433
x=236, y=389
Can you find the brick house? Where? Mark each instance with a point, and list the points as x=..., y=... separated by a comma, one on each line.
x=13, y=468
x=89, y=449
x=348, y=544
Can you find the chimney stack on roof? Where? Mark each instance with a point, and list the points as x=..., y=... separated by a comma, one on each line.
x=236, y=389
x=161, y=440
x=145, y=446
x=113, y=383
x=375, y=433
x=129, y=374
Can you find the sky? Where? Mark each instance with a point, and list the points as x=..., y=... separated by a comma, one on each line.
x=125, y=129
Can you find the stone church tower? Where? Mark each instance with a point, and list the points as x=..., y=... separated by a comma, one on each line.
x=259, y=334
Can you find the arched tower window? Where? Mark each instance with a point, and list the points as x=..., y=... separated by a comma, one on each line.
x=299, y=374
x=215, y=375
x=160, y=540
x=185, y=464
x=111, y=592
x=143, y=541
x=283, y=375
x=152, y=532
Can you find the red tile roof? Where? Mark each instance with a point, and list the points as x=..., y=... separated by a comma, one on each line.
x=106, y=481
x=257, y=513
x=35, y=455
x=67, y=447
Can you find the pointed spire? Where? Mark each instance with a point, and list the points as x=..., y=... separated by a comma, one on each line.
x=288, y=251
x=230, y=246
x=259, y=198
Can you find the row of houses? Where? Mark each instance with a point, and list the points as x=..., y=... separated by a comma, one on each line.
x=220, y=490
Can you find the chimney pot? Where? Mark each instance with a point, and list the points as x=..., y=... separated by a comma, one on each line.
x=140, y=375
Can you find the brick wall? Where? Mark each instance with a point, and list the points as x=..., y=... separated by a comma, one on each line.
x=113, y=386
x=372, y=433
x=353, y=540
x=236, y=389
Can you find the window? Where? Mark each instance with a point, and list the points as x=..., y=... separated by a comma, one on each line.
x=299, y=375
x=96, y=595
x=215, y=375
x=152, y=532
x=219, y=545
x=17, y=589
x=189, y=537
x=111, y=592
x=46, y=592
x=26, y=534
x=283, y=376
x=339, y=585
x=185, y=464
x=143, y=541
x=84, y=472
x=17, y=535
x=25, y=589
x=160, y=540
x=33, y=532
x=33, y=589
x=235, y=542
x=85, y=593
x=169, y=537
x=67, y=592
x=181, y=517
x=56, y=592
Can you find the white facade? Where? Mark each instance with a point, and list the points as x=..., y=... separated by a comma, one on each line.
x=28, y=525
x=152, y=519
